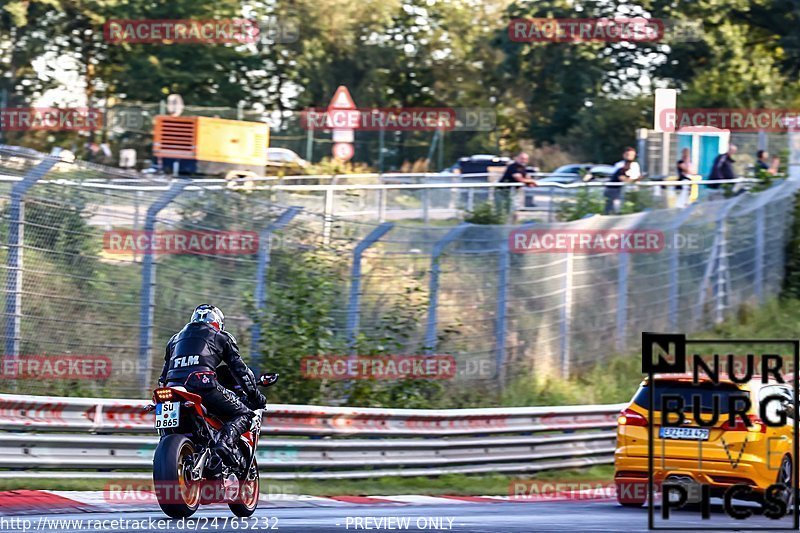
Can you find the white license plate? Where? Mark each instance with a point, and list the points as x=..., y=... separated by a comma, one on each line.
x=683, y=433
x=168, y=415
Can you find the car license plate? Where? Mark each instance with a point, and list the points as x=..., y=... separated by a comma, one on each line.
x=682, y=433
x=168, y=415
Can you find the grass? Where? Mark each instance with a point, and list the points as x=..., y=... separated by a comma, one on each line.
x=455, y=484
x=614, y=380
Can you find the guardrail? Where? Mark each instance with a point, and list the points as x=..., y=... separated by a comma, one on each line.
x=303, y=441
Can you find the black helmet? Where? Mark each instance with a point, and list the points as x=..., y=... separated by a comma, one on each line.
x=210, y=315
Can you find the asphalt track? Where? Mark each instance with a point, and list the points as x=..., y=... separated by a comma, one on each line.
x=569, y=516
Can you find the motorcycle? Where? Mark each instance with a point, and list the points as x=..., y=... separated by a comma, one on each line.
x=186, y=470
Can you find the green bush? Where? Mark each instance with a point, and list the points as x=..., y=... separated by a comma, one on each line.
x=485, y=213
x=587, y=202
x=791, y=281
x=304, y=318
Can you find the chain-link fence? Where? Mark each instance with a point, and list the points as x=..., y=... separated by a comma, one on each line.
x=106, y=270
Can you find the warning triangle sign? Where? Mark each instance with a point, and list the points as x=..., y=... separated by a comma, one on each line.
x=342, y=99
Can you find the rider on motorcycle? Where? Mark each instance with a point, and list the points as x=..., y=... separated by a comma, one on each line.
x=192, y=359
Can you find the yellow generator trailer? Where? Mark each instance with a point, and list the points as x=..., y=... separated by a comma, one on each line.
x=211, y=146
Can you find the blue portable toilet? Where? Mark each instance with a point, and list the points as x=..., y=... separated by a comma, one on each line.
x=704, y=144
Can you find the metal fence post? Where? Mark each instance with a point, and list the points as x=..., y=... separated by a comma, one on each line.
x=565, y=327
x=137, y=198
x=713, y=266
x=426, y=199
x=327, y=221
x=147, y=309
x=674, y=269
x=16, y=242
x=504, y=265
x=354, y=304
x=758, y=282
x=723, y=277
x=622, y=299
x=382, y=194
x=433, y=289
x=264, y=256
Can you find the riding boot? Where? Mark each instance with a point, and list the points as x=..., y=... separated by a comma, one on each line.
x=226, y=445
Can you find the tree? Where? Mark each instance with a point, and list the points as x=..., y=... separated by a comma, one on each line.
x=554, y=82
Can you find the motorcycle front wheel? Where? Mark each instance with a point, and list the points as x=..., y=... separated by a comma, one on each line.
x=249, y=488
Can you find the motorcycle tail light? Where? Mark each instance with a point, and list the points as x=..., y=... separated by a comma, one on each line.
x=163, y=395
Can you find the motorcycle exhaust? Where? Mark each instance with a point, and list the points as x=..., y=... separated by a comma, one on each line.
x=197, y=471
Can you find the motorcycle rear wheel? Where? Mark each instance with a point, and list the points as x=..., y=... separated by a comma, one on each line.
x=178, y=496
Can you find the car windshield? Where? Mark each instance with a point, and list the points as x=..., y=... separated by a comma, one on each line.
x=673, y=393
x=567, y=169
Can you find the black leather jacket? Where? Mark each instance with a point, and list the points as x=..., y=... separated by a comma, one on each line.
x=199, y=346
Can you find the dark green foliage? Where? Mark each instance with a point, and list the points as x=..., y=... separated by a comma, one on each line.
x=486, y=213
x=791, y=283
x=588, y=201
x=305, y=318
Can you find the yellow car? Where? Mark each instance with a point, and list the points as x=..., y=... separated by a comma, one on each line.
x=720, y=455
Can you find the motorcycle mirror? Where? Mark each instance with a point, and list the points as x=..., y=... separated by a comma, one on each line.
x=267, y=379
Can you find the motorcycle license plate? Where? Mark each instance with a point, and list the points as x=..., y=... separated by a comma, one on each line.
x=168, y=415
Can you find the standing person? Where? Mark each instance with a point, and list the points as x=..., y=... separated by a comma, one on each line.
x=762, y=157
x=516, y=171
x=722, y=169
x=625, y=171
x=685, y=171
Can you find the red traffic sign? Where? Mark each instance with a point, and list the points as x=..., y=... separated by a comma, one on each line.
x=343, y=151
x=342, y=113
x=342, y=99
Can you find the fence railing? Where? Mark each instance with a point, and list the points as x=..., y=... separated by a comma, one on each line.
x=498, y=311
x=326, y=442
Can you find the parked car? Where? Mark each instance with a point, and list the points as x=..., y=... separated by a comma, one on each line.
x=283, y=157
x=569, y=173
x=599, y=173
x=478, y=164
x=768, y=459
x=579, y=172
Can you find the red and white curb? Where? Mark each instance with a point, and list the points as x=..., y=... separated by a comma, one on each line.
x=58, y=501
